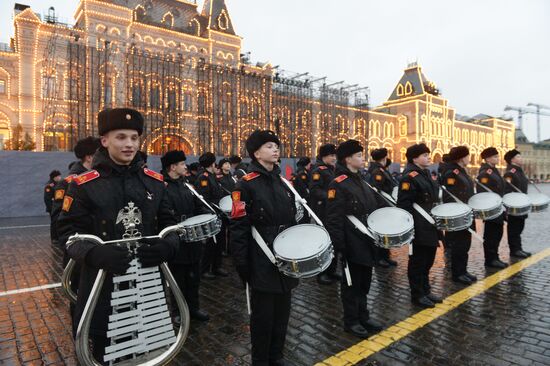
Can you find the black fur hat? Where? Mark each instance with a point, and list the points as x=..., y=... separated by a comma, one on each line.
x=488, y=152
x=86, y=146
x=172, y=157
x=415, y=151
x=258, y=138
x=510, y=155
x=458, y=152
x=303, y=161
x=207, y=159
x=327, y=149
x=348, y=148
x=379, y=154
x=119, y=119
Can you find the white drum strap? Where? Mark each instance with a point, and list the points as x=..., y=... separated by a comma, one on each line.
x=192, y=189
x=424, y=214
x=302, y=201
x=360, y=226
x=263, y=246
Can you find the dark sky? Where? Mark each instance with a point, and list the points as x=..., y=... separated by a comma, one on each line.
x=483, y=55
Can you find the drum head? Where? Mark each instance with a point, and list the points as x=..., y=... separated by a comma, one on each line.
x=226, y=204
x=516, y=199
x=199, y=219
x=452, y=209
x=390, y=221
x=539, y=199
x=301, y=241
x=484, y=201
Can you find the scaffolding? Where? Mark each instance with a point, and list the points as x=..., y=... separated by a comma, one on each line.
x=193, y=105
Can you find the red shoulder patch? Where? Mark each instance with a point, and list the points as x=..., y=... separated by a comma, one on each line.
x=86, y=177
x=341, y=178
x=413, y=174
x=456, y=171
x=153, y=174
x=322, y=167
x=251, y=176
x=513, y=170
x=489, y=171
x=70, y=178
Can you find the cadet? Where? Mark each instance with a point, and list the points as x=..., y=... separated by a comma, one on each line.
x=262, y=200
x=55, y=177
x=300, y=180
x=186, y=265
x=348, y=194
x=418, y=186
x=237, y=166
x=321, y=176
x=382, y=180
x=208, y=186
x=490, y=178
x=93, y=203
x=226, y=178
x=515, y=176
x=459, y=183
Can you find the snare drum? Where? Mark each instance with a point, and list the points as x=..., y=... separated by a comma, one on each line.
x=391, y=227
x=517, y=204
x=226, y=204
x=303, y=251
x=539, y=201
x=453, y=216
x=201, y=227
x=486, y=205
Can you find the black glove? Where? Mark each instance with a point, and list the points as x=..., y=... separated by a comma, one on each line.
x=154, y=251
x=244, y=273
x=111, y=258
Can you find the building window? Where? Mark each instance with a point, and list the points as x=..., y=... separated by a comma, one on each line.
x=187, y=102
x=2, y=86
x=48, y=86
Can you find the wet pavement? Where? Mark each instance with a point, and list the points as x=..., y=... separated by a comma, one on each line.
x=506, y=324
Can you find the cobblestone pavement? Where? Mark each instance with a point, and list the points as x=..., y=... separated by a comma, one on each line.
x=508, y=324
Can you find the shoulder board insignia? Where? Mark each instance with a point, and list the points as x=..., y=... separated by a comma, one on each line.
x=322, y=167
x=86, y=177
x=251, y=176
x=484, y=180
x=456, y=171
x=153, y=174
x=331, y=194
x=304, y=177
x=513, y=170
x=340, y=178
x=59, y=194
x=451, y=181
x=70, y=178
x=204, y=182
x=378, y=177
x=413, y=174
x=316, y=176
x=489, y=171
x=405, y=186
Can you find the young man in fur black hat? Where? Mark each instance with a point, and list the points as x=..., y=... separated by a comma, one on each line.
x=55, y=177
x=381, y=179
x=208, y=186
x=348, y=194
x=457, y=181
x=262, y=200
x=319, y=180
x=97, y=198
x=238, y=167
x=515, y=177
x=418, y=186
x=491, y=180
x=185, y=266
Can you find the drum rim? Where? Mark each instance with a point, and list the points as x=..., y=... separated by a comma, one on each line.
x=469, y=212
x=328, y=246
x=213, y=218
x=408, y=215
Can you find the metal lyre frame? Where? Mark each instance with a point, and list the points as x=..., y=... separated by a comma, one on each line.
x=82, y=343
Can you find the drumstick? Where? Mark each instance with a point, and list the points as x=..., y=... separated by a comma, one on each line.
x=248, y=299
x=383, y=194
x=475, y=235
x=410, y=248
x=534, y=185
x=348, y=274
x=513, y=186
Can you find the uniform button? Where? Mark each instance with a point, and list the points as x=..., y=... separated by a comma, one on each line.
x=103, y=222
x=104, y=233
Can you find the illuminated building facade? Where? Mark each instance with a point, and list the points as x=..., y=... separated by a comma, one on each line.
x=182, y=67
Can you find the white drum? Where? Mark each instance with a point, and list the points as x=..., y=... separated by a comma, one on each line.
x=226, y=205
x=201, y=227
x=517, y=204
x=486, y=205
x=453, y=216
x=391, y=227
x=539, y=201
x=303, y=251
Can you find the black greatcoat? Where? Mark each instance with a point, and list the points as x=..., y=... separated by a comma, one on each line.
x=91, y=207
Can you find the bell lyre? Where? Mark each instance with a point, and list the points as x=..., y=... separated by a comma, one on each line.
x=140, y=327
